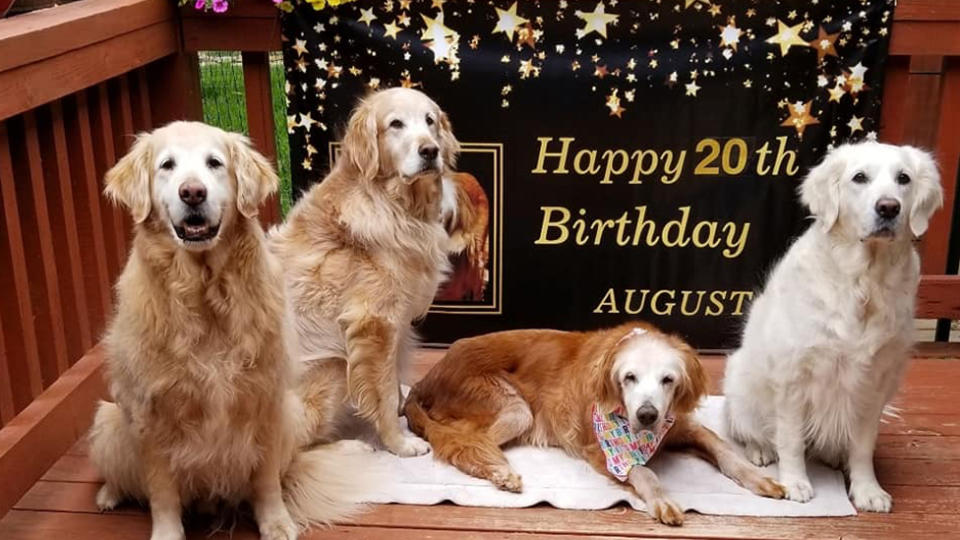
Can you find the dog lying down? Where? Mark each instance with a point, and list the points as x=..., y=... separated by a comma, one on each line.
x=611, y=397
x=198, y=352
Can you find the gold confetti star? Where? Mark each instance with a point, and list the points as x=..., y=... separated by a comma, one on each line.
x=311, y=150
x=855, y=124
x=403, y=19
x=300, y=46
x=714, y=10
x=302, y=65
x=508, y=21
x=747, y=83
x=824, y=44
x=730, y=34
x=836, y=93
x=306, y=164
x=391, y=29
x=786, y=37
x=374, y=83
x=799, y=117
x=406, y=82
x=438, y=4
x=526, y=36
x=443, y=41
x=692, y=88
x=333, y=71
x=367, y=16
x=474, y=42
x=306, y=121
x=574, y=65
x=527, y=68
x=600, y=71
x=291, y=123
x=354, y=70
x=596, y=21
x=613, y=103
x=404, y=4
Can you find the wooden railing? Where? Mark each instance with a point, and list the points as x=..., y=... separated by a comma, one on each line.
x=77, y=81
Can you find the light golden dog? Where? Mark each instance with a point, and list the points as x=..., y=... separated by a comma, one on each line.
x=363, y=253
x=198, y=351
x=540, y=387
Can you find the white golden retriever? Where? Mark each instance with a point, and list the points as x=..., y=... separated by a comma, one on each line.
x=827, y=341
x=363, y=252
x=199, y=351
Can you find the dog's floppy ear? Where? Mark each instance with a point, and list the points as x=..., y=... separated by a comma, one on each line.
x=820, y=191
x=692, y=385
x=256, y=179
x=608, y=393
x=360, y=146
x=927, y=195
x=128, y=182
x=449, y=143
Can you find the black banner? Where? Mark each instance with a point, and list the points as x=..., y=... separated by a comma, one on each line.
x=633, y=159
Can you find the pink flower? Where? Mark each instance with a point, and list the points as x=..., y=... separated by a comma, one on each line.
x=219, y=6
x=201, y=4
x=277, y=1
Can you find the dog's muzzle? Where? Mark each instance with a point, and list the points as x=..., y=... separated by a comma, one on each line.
x=196, y=228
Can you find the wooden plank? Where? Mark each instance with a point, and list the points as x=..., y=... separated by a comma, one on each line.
x=55, y=361
x=105, y=157
x=28, y=86
x=36, y=437
x=912, y=38
x=38, y=35
x=26, y=357
x=241, y=34
x=260, y=122
x=124, y=135
x=927, y=10
x=59, y=184
x=7, y=409
x=89, y=219
x=939, y=297
x=174, y=84
x=948, y=155
x=143, y=120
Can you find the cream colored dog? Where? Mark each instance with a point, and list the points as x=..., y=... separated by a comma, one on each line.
x=363, y=253
x=827, y=341
x=198, y=352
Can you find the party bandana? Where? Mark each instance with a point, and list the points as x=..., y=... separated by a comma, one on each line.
x=622, y=447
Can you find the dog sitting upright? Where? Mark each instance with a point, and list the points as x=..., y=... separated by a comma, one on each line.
x=827, y=340
x=198, y=351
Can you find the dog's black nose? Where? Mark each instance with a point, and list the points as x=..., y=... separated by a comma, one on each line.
x=429, y=152
x=192, y=193
x=888, y=208
x=647, y=414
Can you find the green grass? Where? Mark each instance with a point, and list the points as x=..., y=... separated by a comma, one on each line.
x=224, y=106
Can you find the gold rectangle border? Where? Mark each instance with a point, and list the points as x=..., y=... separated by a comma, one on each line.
x=496, y=149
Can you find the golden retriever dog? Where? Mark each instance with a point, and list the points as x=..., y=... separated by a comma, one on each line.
x=198, y=352
x=828, y=339
x=546, y=387
x=466, y=219
x=363, y=252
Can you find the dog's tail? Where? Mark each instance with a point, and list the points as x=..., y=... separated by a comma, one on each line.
x=329, y=483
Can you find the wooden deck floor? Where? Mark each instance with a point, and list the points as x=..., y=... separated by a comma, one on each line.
x=918, y=461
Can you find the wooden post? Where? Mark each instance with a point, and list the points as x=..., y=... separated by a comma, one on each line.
x=174, y=84
x=256, y=82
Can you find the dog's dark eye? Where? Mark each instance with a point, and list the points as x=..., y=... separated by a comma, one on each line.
x=859, y=178
x=214, y=163
x=168, y=164
x=429, y=120
x=667, y=379
x=397, y=124
x=903, y=178
x=629, y=378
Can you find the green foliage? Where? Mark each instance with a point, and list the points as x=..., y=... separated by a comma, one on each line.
x=224, y=105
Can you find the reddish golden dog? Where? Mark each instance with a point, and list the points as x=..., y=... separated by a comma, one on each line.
x=539, y=387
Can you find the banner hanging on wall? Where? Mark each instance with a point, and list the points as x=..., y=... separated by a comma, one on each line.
x=634, y=159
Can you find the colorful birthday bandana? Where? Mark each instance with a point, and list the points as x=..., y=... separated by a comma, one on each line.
x=622, y=447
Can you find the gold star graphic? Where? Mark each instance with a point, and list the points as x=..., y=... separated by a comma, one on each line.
x=824, y=44
x=441, y=40
x=404, y=4
x=836, y=93
x=525, y=36
x=508, y=21
x=613, y=103
x=596, y=21
x=714, y=10
x=391, y=29
x=334, y=70
x=306, y=120
x=692, y=88
x=306, y=164
x=600, y=71
x=438, y=4
x=527, y=68
x=403, y=19
x=799, y=117
x=367, y=16
x=730, y=34
x=786, y=37
x=855, y=124
x=300, y=46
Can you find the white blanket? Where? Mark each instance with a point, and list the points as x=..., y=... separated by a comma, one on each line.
x=553, y=477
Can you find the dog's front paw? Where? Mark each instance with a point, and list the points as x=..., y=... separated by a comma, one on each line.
x=768, y=487
x=167, y=532
x=507, y=480
x=797, y=489
x=870, y=497
x=760, y=455
x=108, y=498
x=408, y=446
x=282, y=528
x=665, y=511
